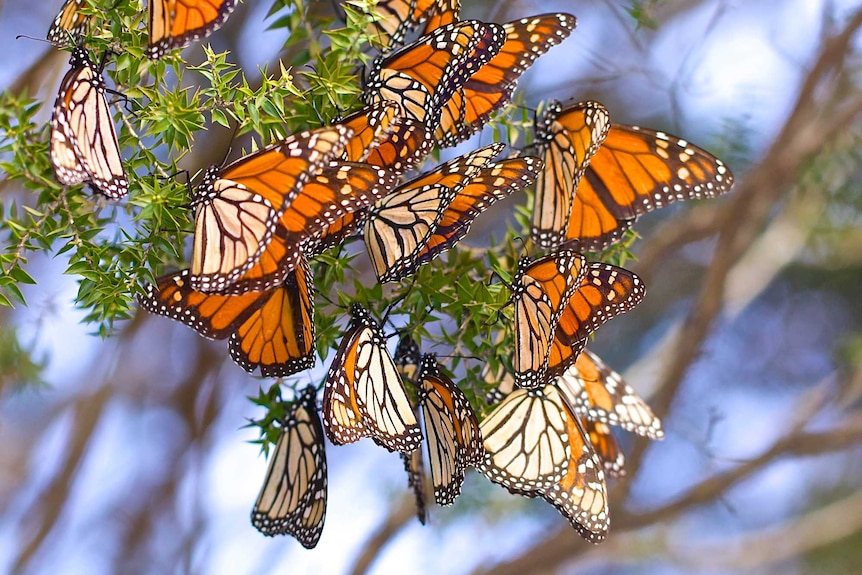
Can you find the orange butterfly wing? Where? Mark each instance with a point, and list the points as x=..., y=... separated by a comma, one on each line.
x=278, y=337
x=491, y=86
x=370, y=126
x=494, y=182
x=336, y=191
x=568, y=139
x=540, y=292
x=272, y=329
x=70, y=22
x=238, y=207
x=635, y=171
x=422, y=76
x=597, y=392
x=175, y=23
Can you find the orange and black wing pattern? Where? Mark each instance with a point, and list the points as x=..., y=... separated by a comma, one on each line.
x=635, y=171
x=84, y=145
x=363, y=395
x=176, y=23
x=70, y=24
x=606, y=447
x=278, y=338
x=451, y=428
x=402, y=147
x=567, y=139
x=581, y=495
x=398, y=17
x=271, y=330
x=494, y=182
x=422, y=76
x=337, y=191
x=605, y=292
x=238, y=208
x=541, y=290
x=370, y=126
x=491, y=87
x=599, y=393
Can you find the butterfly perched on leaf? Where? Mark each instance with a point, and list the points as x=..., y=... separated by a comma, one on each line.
x=175, y=23
x=84, y=146
x=599, y=177
x=238, y=207
x=292, y=500
x=363, y=395
x=535, y=446
x=421, y=77
x=271, y=330
x=491, y=86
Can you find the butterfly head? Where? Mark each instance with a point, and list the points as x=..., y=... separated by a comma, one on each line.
x=429, y=364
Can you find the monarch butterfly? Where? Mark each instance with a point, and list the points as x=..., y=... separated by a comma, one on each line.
x=293, y=497
x=84, y=144
x=271, y=330
x=491, y=86
x=370, y=126
x=451, y=429
x=363, y=394
x=604, y=292
x=175, y=23
x=632, y=171
x=398, y=227
x=340, y=188
x=237, y=208
x=398, y=17
x=540, y=291
x=422, y=76
x=407, y=358
x=535, y=445
x=70, y=23
x=493, y=182
x=598, y=393
x=568, y=141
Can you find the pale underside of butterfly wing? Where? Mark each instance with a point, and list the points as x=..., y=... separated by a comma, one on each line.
x=525, y=441
x=293, y=497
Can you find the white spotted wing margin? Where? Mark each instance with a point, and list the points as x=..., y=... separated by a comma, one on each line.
x=292, y=500
x=363, y=395
x=452, y=430
x=535, y=446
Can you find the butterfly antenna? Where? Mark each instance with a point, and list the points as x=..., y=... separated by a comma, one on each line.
x=26, y=37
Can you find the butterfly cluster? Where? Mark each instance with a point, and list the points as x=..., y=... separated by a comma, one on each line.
x=260, y=221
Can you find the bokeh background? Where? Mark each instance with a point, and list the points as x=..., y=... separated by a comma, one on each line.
x=133, y=457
